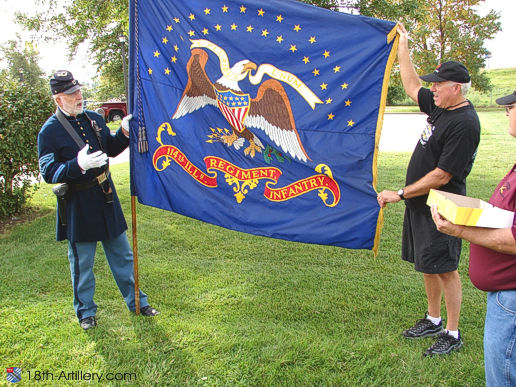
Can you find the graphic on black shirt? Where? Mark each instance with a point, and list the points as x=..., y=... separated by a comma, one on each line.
x=449, y=141
x=426, y=134
x=430, y=127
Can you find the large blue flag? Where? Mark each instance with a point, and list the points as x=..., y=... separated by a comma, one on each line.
x=261, y=117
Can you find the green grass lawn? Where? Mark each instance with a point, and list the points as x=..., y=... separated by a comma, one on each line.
x=503, y=82
x=239, y=309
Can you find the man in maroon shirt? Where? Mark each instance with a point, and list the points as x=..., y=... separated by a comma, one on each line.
x=492, y=268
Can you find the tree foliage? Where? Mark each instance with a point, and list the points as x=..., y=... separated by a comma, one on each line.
x=25, y=104
x=24, y=107
x=440, y=30
x=98, y=23
x=22, y=61
x=328, y=4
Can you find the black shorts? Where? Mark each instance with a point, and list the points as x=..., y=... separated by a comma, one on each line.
x=431, y=251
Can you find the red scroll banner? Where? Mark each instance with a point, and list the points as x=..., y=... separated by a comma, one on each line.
x=300, y=187
x=244, y=180
x=171, y=152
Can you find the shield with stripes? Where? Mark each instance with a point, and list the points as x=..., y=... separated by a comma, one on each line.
x=234, y=107
x=14, y=374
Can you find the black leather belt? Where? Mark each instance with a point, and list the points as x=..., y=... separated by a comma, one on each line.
x=96, y=181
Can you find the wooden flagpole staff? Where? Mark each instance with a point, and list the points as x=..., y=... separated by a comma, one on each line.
x=142, y=143
x=135, y=256
x=129, y=106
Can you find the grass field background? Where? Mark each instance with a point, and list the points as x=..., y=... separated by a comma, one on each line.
x=502, y=82
x=239, y=309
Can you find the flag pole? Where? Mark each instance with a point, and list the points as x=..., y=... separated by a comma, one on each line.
x=135, y=256
x=129, y=84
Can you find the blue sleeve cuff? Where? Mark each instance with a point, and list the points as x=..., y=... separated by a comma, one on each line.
x=74, y=171
x=120, y=136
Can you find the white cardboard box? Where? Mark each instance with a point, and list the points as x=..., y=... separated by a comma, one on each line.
x=468, y=211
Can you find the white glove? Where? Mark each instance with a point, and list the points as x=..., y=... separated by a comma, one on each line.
x=125, y=122
x=93, y=160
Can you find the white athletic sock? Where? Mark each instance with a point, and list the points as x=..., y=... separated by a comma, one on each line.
x=435, y=320
x=453, y=333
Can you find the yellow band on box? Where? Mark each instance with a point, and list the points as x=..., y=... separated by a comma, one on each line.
x=468, y=211
x=447, y=208
x=468, y=216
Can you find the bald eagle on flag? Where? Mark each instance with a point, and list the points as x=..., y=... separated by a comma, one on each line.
x=269, y=111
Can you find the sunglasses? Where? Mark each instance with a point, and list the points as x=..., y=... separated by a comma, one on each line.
x=508, y=108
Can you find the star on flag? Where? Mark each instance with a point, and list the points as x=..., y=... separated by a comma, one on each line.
x=223, y=20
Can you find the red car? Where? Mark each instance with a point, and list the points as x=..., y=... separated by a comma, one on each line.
x=113, y=111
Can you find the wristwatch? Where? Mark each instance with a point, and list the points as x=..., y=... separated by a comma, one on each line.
x=400, y=194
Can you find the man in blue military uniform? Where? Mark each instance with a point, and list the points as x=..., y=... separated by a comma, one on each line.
x=74, y=146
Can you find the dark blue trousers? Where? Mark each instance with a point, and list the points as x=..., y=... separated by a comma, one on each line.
x=120, y=259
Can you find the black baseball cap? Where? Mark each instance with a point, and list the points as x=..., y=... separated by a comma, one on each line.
x=448, y=71
x=507, y=100
x=62, y=82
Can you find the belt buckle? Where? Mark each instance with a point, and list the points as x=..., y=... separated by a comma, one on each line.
x=101, y=178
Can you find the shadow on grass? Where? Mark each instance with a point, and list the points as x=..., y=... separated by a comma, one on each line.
x=138, y=350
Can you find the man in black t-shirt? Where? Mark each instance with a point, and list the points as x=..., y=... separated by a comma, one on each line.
x=442, y=159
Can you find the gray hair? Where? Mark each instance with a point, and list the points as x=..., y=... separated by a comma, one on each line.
x=465, y=88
